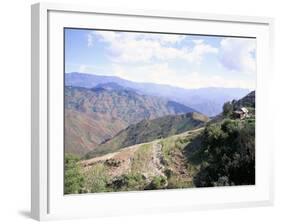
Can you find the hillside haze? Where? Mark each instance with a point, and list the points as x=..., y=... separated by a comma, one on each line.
x=208, y=101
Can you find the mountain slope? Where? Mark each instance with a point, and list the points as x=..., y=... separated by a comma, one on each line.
x=221, y=153
x=159, y=164
x=247, y=101
x=230, y=143
x=95, y=115
x=208, y=101
x=84, y=131
x=149, y=130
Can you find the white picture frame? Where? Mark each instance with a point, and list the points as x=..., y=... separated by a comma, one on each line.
x=47, y=198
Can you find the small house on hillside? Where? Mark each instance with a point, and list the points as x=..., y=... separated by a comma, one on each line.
x=241, y=113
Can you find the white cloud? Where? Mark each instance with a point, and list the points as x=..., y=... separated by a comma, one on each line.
x=87, y=68
x=155, y=73
x=199, y=50
x=197, y=80
x=111, y=36
x=198, y=41
x=140, y=47
x=236, y=54
x=90, y=40
x=82, y=68
x=144, y=57
x=163, y=38
x=163, y=74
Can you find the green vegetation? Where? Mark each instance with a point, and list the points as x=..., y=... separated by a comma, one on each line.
x=173, y=149
x=142, y=158
x=74, y=179
x=96, y=179
x=227, y=154
x=137, y=181
x=168, y=145
x=176, y=181
x=141, y=176
x=247, y=101
x=149, y=130
x=222, y=153
x=227, y=109
x=158, y=182
x=172, y=144
x=129, y=182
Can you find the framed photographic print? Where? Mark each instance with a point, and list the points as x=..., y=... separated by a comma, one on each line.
x=148, y=111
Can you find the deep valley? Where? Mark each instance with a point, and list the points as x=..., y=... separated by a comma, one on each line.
x=123, y=136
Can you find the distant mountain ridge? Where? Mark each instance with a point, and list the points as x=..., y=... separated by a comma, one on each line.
x=97, y=114
x=208, y=101
x=122, y=103
x=149, y=130
x=112, y=86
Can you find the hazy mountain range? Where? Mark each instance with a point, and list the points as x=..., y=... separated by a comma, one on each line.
x=121, y=135
x=95, y=115
x=98, y=108
x=208, y=101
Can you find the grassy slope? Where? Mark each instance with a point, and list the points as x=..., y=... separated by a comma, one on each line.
x=149, y=130
x=166, y=163
x=153, y=165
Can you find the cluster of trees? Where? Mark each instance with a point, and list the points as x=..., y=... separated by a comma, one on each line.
x=227, y=154
x=227, y=109
x=73, y=179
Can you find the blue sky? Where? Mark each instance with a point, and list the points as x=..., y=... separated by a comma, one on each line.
x=186, y=61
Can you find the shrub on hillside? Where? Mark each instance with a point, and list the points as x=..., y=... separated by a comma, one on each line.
x=158, y=182
x=130, y=181
x=229, y=154
x=227, y=109
x=73, y=179
x=96, y=179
